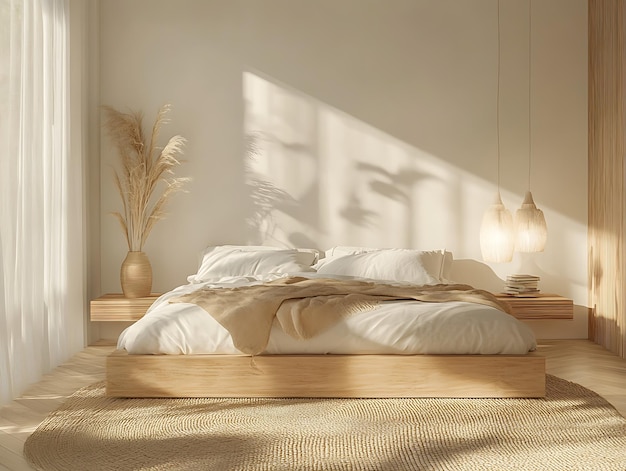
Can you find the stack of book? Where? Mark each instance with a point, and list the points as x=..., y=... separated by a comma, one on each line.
x=522, y=285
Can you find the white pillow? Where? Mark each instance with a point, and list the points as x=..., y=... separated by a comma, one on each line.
x=233, y=260
x=388, y=265
x=437, y=263
x=446, y=267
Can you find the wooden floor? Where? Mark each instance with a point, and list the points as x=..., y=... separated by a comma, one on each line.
x=580, y=361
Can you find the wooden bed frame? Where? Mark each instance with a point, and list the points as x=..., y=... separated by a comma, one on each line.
x=378, y=376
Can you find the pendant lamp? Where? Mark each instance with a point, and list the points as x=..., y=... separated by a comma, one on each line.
x=497, y=233
x=531, y=231
x=497, y=238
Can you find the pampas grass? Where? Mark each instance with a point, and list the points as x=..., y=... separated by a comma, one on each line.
x=145, y=177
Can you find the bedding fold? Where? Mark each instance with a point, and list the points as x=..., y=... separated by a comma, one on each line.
x=305, y=307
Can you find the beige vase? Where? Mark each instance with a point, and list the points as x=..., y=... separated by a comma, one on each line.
x=136, y=275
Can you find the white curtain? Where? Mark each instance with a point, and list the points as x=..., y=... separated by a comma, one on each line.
x=41, y=230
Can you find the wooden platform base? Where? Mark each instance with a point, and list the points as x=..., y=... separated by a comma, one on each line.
x=325, y=375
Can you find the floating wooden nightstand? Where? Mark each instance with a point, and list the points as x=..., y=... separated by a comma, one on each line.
x=115, y=307
x=544, y=306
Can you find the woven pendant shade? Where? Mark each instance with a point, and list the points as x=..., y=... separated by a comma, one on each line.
x=531, y=231
x=497, y=237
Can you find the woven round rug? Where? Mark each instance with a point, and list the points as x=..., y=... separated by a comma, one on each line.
x=573, y=428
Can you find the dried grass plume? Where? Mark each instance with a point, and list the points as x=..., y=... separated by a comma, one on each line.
x=145, y=177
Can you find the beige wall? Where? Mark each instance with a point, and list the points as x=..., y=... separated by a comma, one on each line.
x=375, y=122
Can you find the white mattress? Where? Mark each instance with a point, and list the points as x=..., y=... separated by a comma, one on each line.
x=394, y=327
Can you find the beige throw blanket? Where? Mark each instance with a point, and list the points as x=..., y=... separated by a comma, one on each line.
x=306, y=307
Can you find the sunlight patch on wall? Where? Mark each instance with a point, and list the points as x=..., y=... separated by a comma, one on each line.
x=320, y=177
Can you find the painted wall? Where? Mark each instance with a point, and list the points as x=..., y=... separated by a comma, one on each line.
x=373, y=122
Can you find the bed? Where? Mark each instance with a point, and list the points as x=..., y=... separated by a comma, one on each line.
x=395, y=346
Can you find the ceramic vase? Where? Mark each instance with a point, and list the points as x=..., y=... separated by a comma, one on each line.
x=136, y=275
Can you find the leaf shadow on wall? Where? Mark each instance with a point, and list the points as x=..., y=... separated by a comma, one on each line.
x=266, y=200
x=397, y=186
x=318, y=177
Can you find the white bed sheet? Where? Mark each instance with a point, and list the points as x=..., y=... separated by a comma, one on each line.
x=394, y=327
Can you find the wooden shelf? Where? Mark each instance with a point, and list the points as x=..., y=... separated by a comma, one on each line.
x=544, y=306
x=115, y=307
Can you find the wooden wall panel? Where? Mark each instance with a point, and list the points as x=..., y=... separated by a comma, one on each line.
x=606, y=174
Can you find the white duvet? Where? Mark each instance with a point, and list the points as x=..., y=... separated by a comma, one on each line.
x=394, y=327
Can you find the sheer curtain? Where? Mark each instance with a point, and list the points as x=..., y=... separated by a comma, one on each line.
x=41, y=223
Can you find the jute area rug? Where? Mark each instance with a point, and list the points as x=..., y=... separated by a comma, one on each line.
x=571, y=429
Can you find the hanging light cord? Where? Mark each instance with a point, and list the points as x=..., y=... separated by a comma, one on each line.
x=498, y=101
x=530, y=152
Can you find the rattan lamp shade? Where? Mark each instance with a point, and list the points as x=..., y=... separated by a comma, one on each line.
x=531, y=231
x=497, y=236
